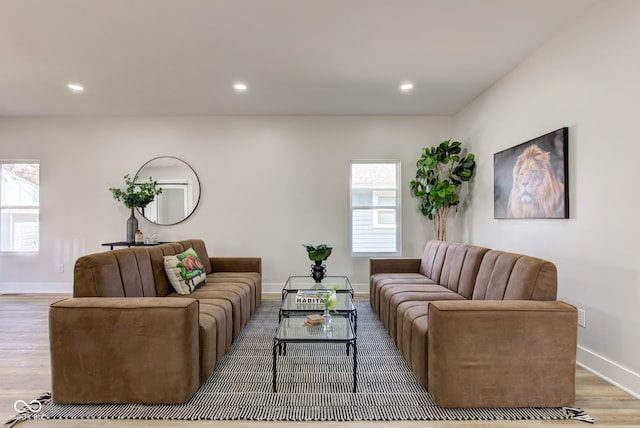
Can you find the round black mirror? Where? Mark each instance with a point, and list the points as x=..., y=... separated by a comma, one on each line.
x=180, y=190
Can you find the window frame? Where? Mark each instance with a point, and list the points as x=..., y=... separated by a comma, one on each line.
x=376, y=195
x=377, y=209
x=28, y=209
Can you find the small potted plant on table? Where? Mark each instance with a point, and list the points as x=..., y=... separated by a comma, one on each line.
x=135, y=195
x=318, y=254
x=328, y=300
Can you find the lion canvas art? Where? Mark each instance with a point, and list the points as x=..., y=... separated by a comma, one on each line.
x=536, y=191
x=530, y=179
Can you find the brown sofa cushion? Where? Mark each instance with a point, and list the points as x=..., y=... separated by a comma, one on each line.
x=236, y=301
x=243, y=267
x=215, y=337
x=252, y=280
x=400, y=323
x=130, y=272
x=503, y=275
x=433, y=258
x=391, y=296
x=380, y=281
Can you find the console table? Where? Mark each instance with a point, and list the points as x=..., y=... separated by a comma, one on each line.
x=129, y=244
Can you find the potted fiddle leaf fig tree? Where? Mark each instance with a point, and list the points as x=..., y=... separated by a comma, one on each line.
x=441, y=171
x=135, y=195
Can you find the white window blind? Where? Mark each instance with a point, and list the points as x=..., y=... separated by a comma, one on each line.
x=375, y=207
x=20, y=206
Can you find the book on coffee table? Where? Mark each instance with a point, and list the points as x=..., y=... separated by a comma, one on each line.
x=313, y=319
x=313, y=297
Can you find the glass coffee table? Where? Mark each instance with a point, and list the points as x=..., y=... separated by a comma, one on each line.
x=292, y=329
x=344, y=306
x=294, y=283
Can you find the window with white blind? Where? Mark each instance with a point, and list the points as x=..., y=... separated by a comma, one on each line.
x=375, y=207
x=20, y=206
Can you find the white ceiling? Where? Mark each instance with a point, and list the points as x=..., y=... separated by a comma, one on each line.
x=181, y=57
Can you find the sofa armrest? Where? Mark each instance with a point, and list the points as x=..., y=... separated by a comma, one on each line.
x=394, y=265
x=508, y=353
x=236, y=264
x=124, y=350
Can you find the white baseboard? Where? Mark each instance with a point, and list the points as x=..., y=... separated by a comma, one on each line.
x=36, y=288
x=612, y=372
x=271, y=288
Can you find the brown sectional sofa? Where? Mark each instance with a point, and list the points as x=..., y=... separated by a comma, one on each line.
x=127, y=337
x=479, y=327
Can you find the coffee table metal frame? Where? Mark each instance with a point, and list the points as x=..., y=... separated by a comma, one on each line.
x=292, y=329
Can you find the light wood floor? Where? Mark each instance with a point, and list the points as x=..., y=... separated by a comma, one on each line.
x=25, y=374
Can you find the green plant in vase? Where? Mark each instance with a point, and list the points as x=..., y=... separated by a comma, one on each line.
x=318, y=254
x=135, y=195
x=328, y=300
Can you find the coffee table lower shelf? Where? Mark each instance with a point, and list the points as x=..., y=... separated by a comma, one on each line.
x=292, y=329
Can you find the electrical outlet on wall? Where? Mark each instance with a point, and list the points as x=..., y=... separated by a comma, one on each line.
x=582, y=318
x=60, y=267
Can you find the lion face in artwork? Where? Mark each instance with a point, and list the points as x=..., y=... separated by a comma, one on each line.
x=536, y=190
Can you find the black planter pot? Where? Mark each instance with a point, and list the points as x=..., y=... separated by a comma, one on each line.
x=318, y=271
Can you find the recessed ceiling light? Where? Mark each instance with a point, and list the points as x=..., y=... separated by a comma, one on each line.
x=75, y=87
x=406, y=87
x=240, y=87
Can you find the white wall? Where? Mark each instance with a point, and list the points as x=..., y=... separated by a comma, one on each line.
x=586, y=78
x=269, y=184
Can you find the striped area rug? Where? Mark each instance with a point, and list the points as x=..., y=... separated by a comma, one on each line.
x=314, y=384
